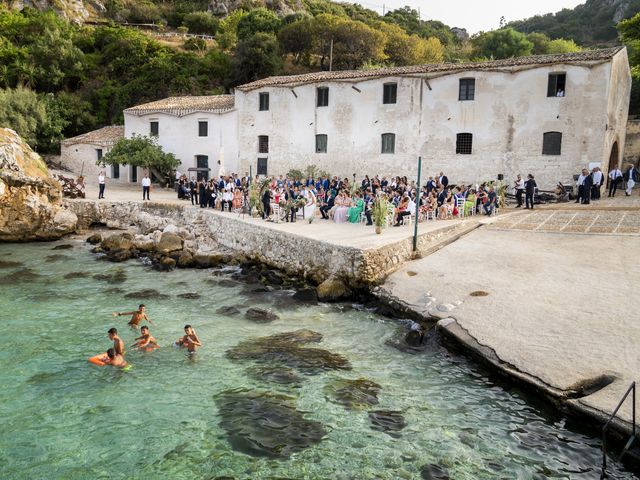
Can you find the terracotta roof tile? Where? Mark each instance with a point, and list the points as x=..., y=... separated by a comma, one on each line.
x=102, y=136
x=180, y=106
x=564, y=58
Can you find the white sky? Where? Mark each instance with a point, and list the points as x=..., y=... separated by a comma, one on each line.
x=474, y=15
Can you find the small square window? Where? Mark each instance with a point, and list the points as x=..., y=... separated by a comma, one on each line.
x=321, y=143
x=464, y=143
x=203, y=128
x=467, y=89
x=388, y=143
x=264, y=101
x=556, y=85
x=322, y=97
x=262, y=166
x=154, y=128
x=552, y=143
x=263, y=144
x=99, y=153
x=389, y=92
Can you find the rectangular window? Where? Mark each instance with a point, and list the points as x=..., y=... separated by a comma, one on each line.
x=202, y=161
x=389, y=92
x=321, y=143
x=134, y=173
x=464, y=143
x=154, y=128
x=467, y=89
x=99, y=153
x=552, y=143
x=115, y=171
x=556, y=85
x=322, y=97
x=203, y=128
x=262, y=166
x=263, y=144
x=388, y=143
x=264, y=101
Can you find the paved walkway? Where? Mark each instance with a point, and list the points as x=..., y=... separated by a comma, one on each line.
x=572, y=221
x=560, y=308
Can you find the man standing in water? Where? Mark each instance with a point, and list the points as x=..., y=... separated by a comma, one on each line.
x=145, y=339
x=136, y=316
x=118, y=344
x=189, y=340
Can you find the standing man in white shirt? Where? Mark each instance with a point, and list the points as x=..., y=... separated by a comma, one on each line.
x=101, y=183
x=518, y=185
x=615, y=177
x=630, y=176
x=598, y=179
x=146, y=187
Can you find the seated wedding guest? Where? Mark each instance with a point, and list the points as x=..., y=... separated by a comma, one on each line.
x=327, y=204
x=237, y=198
x=446, y=208
x=341, y=209
x=470, y=202
x=227, y=198
x=356, y=209
x=402, y=210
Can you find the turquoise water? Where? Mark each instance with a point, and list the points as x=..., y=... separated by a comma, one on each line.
x=63, y=418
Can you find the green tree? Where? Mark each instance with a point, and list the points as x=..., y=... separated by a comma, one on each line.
x=227, y=35
x=405, y=17
x=560, y=45
x=144, y=152
x=403, y=49
x=503, y=43
x=297, y=39
x=540, y=43
x=259, y=20
x=256, y=57
x=202, y=23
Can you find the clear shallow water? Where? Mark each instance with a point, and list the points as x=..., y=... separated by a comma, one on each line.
x=64, y=418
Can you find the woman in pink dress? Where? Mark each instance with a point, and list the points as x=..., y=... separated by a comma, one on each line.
x=342, y=208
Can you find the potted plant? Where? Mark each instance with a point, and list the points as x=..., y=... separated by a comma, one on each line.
x=379, y=213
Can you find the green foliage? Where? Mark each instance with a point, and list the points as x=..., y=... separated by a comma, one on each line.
x=296, y=174
x=561, y=45
x=540, y=43
x=379, y=211
x=256, y=57
x=227, y=36
x=141, y=151
x=314, y=171
x=630, y=35
x=297, y=39
x=202, y=23
x=503, y=43
x=195, y=44
x=259, y=20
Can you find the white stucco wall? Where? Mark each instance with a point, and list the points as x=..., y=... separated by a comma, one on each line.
x=617, y=111
x=82, y=157
x=508, y=117
x=179, y=135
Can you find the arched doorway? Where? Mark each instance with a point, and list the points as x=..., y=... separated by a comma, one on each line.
x=613, y=158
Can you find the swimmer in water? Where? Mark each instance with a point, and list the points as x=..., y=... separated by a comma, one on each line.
x=115, y=360
x=189, y=340
x=118, y=344
x=136, y=317
x=145, y=339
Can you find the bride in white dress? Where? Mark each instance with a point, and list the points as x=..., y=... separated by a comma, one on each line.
x=310, y=207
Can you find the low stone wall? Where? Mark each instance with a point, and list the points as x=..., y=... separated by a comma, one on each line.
x=295, y=254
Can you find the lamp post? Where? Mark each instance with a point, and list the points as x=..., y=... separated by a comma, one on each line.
x=415, y=223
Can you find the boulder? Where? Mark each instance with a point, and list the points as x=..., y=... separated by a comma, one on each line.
x=165, y=264
x=94, y=239
x=186, y=260
x=118, y=241
x=306, y=295
x=271, y=277
x=119, y=255
x=260, y=315
x=144, y=243
x=207, y=260
x=169, y=242
x=333, y=290
x=30, y=199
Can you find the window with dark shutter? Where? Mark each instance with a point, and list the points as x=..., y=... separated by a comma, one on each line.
x=264, y=101
x=203, y=128
x=115, y=170
x=556, y=87
x=467, y=89
x=388, y=143
x=389, y=92
x=322, y=97
x=262, y=166
x=99, y=153
x=321, y=143
x=263, y=144
x=154, y=128
x=552, y=143
x=464, y=143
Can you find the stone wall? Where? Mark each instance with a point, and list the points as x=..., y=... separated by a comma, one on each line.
x=297, y=255
x=632, y=142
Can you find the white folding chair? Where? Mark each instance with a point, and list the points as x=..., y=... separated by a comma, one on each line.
x=460, y=207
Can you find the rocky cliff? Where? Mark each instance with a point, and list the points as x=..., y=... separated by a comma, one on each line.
x=30, y=200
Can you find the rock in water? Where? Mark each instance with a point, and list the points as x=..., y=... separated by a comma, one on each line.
x=387, y=421
x=434, y=472
x=333, y=290
x=227, y=311
x=262, y=424
x=94, y=239
x=260, y=315
x=354, y=394
x=306, y=295
x=30, y=200
x=169, y=242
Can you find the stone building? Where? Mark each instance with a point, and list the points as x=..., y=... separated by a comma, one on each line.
x=81, y=153
x=549, y=115
x=201, y=131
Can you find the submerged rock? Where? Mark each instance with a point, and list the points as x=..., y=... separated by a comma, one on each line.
x=333, y=290
x=9, y=264
x=54, y=258
x=65, y=246
x=30, y=199
x=228, y=311
x=354, y=394
x=431, y=471
x=288, y=349
x=114, y=276
x=147, y=294
x=165, y=264
x=189, y=296
x=24, y=275
x=263, y=424
x=260, y=315
x=279, y=375
x=387, y=421
x=76, y=275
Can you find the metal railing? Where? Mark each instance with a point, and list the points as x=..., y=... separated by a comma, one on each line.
x=631, y=389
